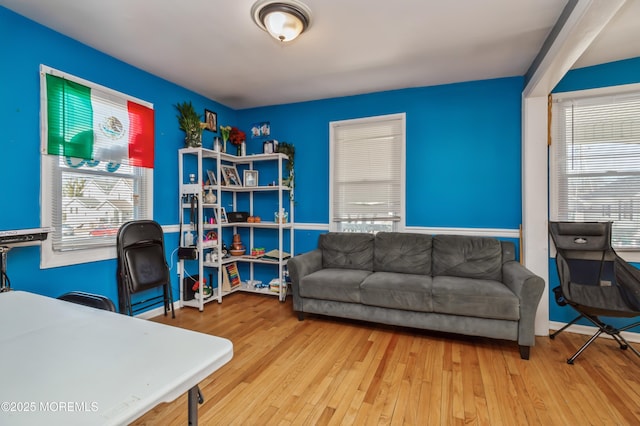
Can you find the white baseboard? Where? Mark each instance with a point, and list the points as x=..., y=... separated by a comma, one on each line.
x=590, y=331
x=152, y=313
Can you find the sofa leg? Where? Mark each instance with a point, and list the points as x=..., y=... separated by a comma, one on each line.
x=300, y=316
x=524, y=351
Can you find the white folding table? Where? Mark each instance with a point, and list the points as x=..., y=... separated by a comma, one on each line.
x=67, y=364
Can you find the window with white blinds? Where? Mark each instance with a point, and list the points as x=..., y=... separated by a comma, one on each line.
x=367, y=174
x=595, y=161
x=84, y=201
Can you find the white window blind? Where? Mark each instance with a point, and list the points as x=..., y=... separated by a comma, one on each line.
x=367, y=173
x=595, y=162
x=85, y=201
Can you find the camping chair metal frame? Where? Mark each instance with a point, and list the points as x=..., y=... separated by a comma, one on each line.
x=614, y=332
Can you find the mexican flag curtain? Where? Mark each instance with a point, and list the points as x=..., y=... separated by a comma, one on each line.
x=91, y=124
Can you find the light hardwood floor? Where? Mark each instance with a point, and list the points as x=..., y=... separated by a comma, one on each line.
x=333, y=371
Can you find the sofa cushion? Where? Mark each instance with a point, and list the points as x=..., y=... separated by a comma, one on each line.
x=409, y=292
x=347, y=250
x=402, y=252
x=470, y=257
x=474, y=298
x=338, y=284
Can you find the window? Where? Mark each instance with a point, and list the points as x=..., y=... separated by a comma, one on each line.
x=595, y=160
x=367, y=174
x=96, y=167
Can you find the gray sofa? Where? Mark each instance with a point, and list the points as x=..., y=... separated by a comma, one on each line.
x=450, y=283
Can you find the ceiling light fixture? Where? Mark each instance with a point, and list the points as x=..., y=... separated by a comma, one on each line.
x=284, y=20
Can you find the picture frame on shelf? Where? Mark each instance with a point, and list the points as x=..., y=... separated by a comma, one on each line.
x=267, y=147
x=230, y=175
x=221, y=215
x=212, y=177
x=250, y=178
x=211, y=119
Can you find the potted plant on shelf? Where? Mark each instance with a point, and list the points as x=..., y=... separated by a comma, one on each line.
x=191, y=123
x=224, y=131
x=290, y=151
x=238, y=138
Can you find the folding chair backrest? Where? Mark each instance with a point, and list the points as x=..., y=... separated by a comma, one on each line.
x=89, y=299
x=141, y=247
x=132, y=233
x=145, y=266
x=586, y=249
x=141, y=262
x=581, y=236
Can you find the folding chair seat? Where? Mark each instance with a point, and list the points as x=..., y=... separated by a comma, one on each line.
x=594, y=280
x=142, y=266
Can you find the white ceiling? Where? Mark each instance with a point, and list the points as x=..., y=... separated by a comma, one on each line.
x=352, y=46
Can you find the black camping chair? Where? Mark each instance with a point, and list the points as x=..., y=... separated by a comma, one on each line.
x=89, y=299
x=142, y=266
x=594, y=280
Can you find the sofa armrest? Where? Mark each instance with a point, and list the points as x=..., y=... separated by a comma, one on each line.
x=300, y=266
x=528, y=287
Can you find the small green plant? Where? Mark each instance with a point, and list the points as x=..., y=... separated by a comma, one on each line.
x=191, y=123
x=290, y=151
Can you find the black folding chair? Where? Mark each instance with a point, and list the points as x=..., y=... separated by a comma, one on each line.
x=89, y=299
x=142, y=266
x=594, y=280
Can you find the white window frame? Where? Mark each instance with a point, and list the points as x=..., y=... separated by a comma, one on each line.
x=398, y=225
x=50, y=258
x=630, y=254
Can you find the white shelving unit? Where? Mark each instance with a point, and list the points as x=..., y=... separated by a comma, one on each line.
x=197, y=161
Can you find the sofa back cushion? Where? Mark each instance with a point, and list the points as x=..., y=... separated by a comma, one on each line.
x=469, y=257
x=508, y=251
x=347, y=250
x=402, y=252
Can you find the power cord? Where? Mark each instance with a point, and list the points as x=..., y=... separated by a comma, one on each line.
x=171, y=258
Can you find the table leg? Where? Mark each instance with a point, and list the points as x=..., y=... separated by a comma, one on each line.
x=195, y=398
x=193, y=406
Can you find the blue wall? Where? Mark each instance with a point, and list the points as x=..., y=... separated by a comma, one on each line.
x=605, y=75
x=463, y=146
x=610, y=74
x=463, y=150
x=25, y=45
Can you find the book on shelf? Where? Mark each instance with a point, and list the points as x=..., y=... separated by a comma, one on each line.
x=275, y=255
x=252, y=256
